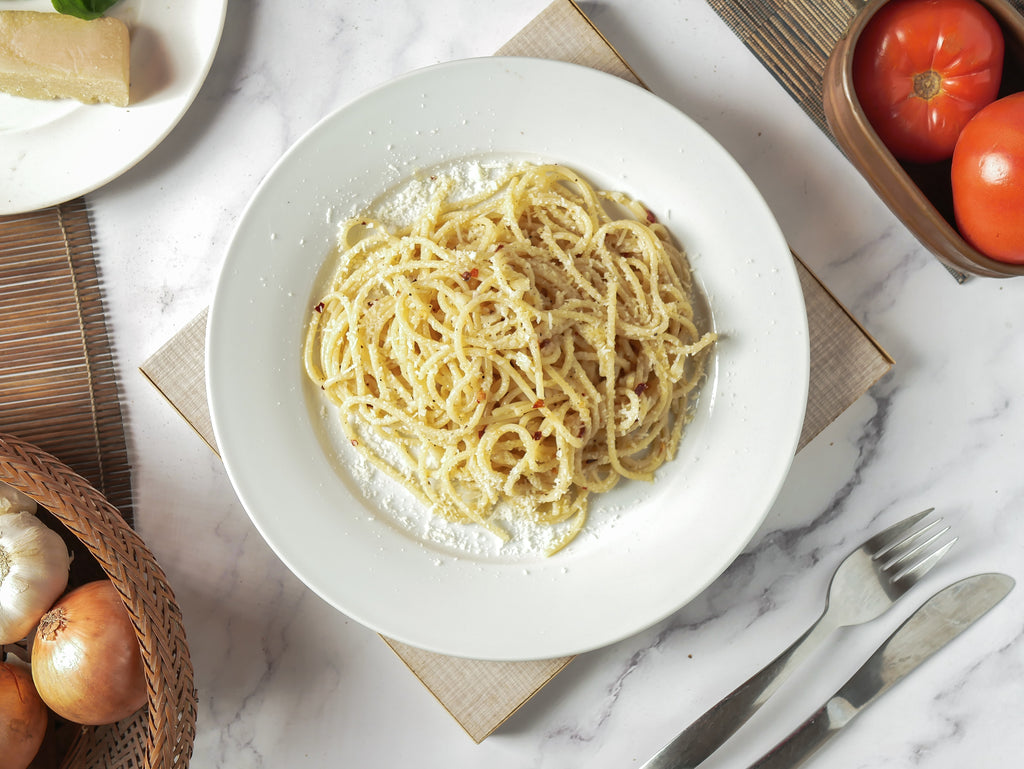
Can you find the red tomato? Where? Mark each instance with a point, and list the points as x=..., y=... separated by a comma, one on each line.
x=922, y=69
x=988, y=180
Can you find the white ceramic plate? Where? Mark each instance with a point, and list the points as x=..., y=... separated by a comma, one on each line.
x=652, y=547
x=54, y=151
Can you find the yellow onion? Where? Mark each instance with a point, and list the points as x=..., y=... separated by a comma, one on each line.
x=86, y=660
x=23, y=717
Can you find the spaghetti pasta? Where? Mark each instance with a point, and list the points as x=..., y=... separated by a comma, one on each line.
x=523, y=348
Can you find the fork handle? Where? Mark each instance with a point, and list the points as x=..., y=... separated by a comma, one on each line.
x=705, y=735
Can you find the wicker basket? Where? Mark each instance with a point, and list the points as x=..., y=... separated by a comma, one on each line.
x=160, y=735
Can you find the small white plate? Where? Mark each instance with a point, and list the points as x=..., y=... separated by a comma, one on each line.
x=54, y=151
x=651, y=547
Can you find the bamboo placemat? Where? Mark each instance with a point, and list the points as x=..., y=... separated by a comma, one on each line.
x=58, y=384
x=845, y=362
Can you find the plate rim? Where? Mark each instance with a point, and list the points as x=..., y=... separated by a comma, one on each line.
x=790, y=442
x=36, y=199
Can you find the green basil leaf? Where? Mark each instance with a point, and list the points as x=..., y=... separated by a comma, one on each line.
x=83, y=9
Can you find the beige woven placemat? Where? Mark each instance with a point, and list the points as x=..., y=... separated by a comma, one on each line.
x=58, y=384
x=845, y=362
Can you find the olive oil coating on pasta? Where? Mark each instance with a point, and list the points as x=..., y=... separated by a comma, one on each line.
x=524, y=348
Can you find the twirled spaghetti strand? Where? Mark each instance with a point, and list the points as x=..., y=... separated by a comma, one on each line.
x=525, y=348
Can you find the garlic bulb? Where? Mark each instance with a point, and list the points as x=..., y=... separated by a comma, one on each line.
x=34, y=563
x=13, y=501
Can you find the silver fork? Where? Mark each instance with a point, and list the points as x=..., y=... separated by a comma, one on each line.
x=866, y=583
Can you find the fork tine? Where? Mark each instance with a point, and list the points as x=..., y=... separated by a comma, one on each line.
x=910, y=544
x=901, y=554
x=895, y=533
x=905, y=552
x=913, y=573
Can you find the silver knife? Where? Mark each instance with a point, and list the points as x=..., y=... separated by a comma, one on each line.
x=939, y=620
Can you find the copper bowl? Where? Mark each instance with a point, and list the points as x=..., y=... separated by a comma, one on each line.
x=920, y=195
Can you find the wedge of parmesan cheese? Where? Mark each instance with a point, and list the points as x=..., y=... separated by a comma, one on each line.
x=53, y=56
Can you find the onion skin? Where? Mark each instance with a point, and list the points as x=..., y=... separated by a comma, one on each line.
x=23, y=717
x=86, y=661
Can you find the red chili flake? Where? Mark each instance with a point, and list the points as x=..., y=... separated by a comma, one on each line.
x=474, y=273
x=539, y=403
x=536, y=435
x=319, y=307
x=640, y=388
x=481, y=396
x=354, y=442
x=650, y=216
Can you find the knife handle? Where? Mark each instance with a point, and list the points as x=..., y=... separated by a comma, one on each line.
x=807, y=738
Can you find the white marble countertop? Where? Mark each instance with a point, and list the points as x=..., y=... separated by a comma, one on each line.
x=284, y=680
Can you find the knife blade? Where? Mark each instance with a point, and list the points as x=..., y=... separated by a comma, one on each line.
x=937, y=622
